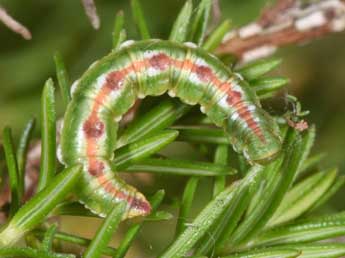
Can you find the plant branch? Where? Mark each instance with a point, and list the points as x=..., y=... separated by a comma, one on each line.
x=91, y=12
x=14, y=25
x=286, y=22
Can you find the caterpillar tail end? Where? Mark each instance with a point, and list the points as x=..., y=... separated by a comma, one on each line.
x=139, y=206
x=101, y=191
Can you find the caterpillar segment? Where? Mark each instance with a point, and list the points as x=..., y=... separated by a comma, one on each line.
x=152, y=67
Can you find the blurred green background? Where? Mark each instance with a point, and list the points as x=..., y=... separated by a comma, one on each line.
x=316, y=70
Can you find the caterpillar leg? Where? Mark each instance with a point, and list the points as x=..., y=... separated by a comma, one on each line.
x=100, y=189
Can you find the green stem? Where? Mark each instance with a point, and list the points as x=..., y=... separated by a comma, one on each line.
x=39, y=206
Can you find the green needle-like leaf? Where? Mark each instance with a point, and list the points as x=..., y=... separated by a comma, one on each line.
x=160, y=216
x=259, y=68
x=217, y=36
x=75, y=240
x=206, y=218
x=339, y=182
x=311, y=162
x=317, y=250
x=158, y=118
x=22, y=150
x=295, y=148
x=47, y=242
x=105, y=232
x=307, y=144
x=279, y=182
x=48, y=128
x=62, y=76
x=72, y=209
x=141, y=149
x=180, y=167
x=303, y=196
x=302, y=231
x=226, y=223
x=220, y=157
x=119, y=33
x=237, y=211
x=201, y=134
x=263, y=204
x=201, y=224
x=18, y=252
x=31, y=253
x=12, y=168
x=39, y=206
x=200, y=22
x=33, y=241
x=320, y=250
x=139, y=19
x=181, y=25
x=266, y=96
x=186, y=204
x=268, y=85
x=280, y=252
x=133, y=231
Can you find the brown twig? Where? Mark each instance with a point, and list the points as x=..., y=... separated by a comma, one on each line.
x=287, y=22
x=216, y=12
x=13, y=25
x=91, y=12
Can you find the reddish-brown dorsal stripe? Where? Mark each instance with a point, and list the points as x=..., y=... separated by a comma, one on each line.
x=114, y=80
x=159, y=61
x=96, y=167
x=94, y=127
x=138, y=204
x=246, y=115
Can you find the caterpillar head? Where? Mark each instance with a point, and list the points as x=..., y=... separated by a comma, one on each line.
x=257, y=137
x=263, y=149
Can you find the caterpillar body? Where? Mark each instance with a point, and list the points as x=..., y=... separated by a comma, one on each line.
x=152, y=67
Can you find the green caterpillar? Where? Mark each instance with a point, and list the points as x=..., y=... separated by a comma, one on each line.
x=152, y=67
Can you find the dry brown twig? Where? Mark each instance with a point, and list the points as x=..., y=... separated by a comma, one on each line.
x=13, y=25
x=91, y=12
x=287, y=22
x=216, y=12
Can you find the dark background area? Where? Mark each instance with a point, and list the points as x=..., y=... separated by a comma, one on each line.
x=316, y=71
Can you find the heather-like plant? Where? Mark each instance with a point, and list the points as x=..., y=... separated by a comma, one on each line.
x=255, y=211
